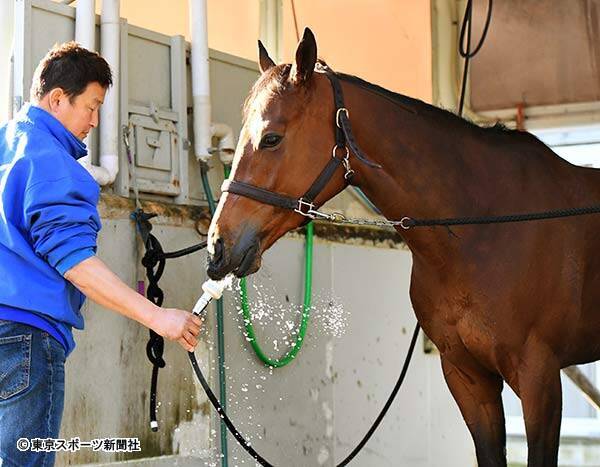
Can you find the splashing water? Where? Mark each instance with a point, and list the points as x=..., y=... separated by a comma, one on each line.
x=331, y=316
x=276, y=316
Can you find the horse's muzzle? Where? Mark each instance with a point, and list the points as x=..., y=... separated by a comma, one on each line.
x=240, y=259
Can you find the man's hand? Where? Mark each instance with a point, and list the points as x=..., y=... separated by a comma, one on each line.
x=178, y=325
x=101, y=285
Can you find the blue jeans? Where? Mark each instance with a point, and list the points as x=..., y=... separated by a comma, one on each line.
x=32, y=389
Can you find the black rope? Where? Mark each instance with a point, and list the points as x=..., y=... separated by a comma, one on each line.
x=184, y=251
x=467, y=54
x=408, y=223
x=156, y=344
x=154, y=262
x=261, y=460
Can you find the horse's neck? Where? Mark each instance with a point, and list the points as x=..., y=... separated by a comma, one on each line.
x=425, y=170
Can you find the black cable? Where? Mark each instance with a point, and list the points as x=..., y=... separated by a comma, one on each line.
x=467, y=54
x=468, y=19
x=261, y=460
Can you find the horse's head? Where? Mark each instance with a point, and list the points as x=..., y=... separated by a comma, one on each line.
x=285, y=142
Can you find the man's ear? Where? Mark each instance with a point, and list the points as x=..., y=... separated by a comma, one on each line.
x=306, y=58
x=54, y=99
x=264, y=61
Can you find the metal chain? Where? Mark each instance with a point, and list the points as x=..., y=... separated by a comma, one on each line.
x=339, y=218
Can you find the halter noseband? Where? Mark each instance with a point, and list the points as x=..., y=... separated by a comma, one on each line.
x=344, y=139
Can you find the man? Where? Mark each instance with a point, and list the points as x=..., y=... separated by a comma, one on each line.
x=48, y=229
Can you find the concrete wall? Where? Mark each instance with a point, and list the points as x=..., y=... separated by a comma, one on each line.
x=315, y=410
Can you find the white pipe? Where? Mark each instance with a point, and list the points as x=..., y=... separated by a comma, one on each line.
x=85, y=35
x=270, y=21
x=85, y=24
x=109, y=114
x=6, y=50
x=200, y=79
x=226, y=141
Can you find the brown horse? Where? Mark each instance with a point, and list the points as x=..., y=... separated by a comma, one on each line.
x=505, y=302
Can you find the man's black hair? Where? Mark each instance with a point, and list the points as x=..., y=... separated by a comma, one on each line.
x=70, y=67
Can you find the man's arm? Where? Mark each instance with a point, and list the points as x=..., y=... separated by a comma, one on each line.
x=95, y=280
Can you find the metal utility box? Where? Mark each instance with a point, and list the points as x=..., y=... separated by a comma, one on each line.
x=154, y=113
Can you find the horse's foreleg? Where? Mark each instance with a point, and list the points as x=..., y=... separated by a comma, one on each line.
x=541, y=397
x=478, y=395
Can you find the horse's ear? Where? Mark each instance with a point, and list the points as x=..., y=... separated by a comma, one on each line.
x=306, y=57
x=264, y=61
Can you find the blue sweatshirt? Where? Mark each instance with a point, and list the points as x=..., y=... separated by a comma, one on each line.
x=48, y=223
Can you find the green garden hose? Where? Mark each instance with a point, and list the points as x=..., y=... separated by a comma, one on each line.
x=297, y=345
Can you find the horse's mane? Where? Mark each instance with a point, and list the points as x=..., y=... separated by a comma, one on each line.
x=276, y=79
x=418, y=106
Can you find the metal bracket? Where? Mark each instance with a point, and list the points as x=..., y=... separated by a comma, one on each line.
x=309, y=208
x=154, y=112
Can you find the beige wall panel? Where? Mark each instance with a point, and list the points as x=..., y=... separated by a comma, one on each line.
x=387, y=42
x=232, y=24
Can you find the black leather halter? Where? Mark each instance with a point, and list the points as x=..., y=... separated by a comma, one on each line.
x=344, y=139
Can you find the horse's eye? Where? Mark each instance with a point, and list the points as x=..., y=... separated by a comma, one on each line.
x=270, y=140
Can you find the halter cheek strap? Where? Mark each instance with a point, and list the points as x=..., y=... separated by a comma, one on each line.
x=340, y=155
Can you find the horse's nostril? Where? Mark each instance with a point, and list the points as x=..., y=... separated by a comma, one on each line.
x=218, y=254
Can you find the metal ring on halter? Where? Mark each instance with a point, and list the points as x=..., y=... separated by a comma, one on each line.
x=337, y=116
x=403, y=223
x=336, y=147
x=309, y=208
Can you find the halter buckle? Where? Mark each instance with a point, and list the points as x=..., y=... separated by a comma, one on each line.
x=337, y=116
x=305, y=208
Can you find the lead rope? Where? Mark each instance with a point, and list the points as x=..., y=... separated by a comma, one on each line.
x=154, y=261
x=261, y=460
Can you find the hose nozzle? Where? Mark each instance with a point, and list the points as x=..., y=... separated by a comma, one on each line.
x=212, y=289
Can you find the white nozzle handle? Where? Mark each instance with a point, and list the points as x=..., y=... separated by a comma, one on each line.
x=212, y=289
x=201, y=304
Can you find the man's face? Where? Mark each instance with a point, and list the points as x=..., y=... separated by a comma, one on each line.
x=81, y=115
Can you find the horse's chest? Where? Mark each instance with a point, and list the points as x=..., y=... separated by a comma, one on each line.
x=460, y=328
